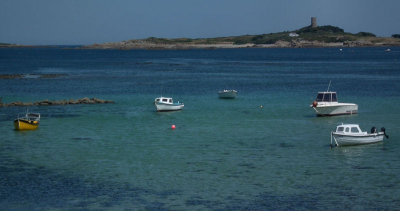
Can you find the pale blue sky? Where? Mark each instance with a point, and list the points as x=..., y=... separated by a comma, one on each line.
x=66, y=22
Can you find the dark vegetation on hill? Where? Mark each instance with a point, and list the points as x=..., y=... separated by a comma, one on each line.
x=327, y=34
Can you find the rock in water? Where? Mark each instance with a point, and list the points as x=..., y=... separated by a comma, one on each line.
x=46, y=102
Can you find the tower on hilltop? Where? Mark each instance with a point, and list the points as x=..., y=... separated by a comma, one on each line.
x=314, y=22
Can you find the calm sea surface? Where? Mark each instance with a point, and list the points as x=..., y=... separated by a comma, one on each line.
x=223, y=154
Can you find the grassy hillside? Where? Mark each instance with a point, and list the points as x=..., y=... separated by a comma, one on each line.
x=327, y=34
x=322, y=36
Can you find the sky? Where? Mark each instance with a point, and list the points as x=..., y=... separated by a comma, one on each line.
x=76, y=22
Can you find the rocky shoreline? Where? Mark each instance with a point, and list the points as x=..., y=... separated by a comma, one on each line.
x=295, y=43
x=279, y=44
x=148, y=45
x=85, y=100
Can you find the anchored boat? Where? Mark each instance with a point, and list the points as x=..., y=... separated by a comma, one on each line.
x=326, y=104
x=30, y=121
x=351, y=134
x=167, y=104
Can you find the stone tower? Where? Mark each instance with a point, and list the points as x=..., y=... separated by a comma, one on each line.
x=314, y=22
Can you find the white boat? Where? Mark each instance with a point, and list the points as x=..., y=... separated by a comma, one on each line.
x=326, y=104
x=167, y=104
x=227, y=94
x=351, y=134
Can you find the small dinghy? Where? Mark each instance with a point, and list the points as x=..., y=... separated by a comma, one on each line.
x=351, y=134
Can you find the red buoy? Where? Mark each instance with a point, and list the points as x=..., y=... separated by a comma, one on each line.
x=314, y=104
x=173, y=127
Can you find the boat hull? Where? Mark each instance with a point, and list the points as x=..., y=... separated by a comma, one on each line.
x=348, y=140
x=22, y=124
x=169, y=107
x=336, y=109
x=227, y=95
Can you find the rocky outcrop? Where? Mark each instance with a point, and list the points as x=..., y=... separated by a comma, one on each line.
x=85, y=100
x=30, y=76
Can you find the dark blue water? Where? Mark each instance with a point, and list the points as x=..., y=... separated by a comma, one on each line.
x=223, y=154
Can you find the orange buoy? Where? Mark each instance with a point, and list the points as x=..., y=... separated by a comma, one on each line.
x=314, y=104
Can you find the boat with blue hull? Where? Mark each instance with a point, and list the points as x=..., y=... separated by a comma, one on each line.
x=167, y=104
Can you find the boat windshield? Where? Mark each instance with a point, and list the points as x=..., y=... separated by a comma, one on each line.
x=340, y=129
x=334, y=98
x=326, y=97
x=354, y=130
x=319, y=97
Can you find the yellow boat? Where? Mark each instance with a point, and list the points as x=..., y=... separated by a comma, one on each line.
x=28, y=122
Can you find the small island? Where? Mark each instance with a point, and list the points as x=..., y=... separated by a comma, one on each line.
x=309, y=36
x=84, y=100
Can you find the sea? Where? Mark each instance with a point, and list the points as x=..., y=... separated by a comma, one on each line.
x=264, y=150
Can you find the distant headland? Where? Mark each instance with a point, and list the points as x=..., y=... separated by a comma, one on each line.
x=309, y=36
x=306, y=37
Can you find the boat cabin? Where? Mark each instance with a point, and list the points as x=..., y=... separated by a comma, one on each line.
x=349, y=129
x=29, y=116
x=326, y=97
x=33, y=116
x=165, y=100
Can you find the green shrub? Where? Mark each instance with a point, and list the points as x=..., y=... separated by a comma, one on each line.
x=365, y=34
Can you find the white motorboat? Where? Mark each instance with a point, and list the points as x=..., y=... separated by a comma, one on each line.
x=326, y=104
x=351, y=134
x=227, y=94
x=167, y=104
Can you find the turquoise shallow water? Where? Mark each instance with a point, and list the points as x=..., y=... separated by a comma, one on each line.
x=223, y=154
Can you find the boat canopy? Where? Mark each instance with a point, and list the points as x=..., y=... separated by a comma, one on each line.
x=164, y=100
x=326, y=97
x=348, y=128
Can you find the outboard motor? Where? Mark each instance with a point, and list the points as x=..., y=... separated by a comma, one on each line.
x=384, y=132
x=373, y=130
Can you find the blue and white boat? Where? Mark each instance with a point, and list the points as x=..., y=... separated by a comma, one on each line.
x=167, y=104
